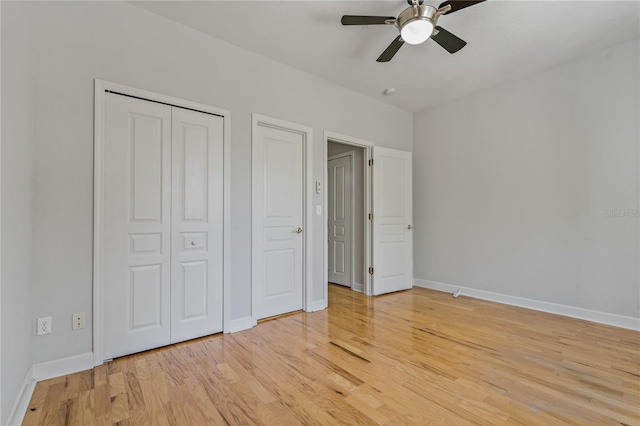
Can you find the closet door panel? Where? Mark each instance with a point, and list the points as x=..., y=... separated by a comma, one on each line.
x=137, y=225
x=196, y=253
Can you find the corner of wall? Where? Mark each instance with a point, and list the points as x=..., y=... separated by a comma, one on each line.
x=21, y=403
x=44, y=371
x=16, y=205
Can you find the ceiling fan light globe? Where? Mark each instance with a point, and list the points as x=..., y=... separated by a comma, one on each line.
x=416, y=31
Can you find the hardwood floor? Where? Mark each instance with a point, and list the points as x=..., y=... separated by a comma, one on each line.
x=414, y=357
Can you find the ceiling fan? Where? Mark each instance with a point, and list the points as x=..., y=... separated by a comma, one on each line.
x=416, y=24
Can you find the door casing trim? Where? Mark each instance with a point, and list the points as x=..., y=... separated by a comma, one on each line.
x=100, y=88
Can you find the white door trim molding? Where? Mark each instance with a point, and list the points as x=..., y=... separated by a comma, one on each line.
x=307, y=135
x=101, y=87
x=368, y=154
x=351, y=154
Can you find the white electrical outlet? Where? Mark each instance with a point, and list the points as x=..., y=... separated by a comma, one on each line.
x=44, y=326
x=78, y=321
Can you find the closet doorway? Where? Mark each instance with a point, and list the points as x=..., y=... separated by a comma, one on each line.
x=159, y=264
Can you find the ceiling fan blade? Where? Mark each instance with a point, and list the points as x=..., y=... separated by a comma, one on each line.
x=390, y=51
x=450, y=42
x=365, y=20
x=458, y=4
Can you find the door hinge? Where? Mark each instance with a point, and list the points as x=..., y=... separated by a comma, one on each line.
x=370, y=271
x=370, y=216
x=371, y=162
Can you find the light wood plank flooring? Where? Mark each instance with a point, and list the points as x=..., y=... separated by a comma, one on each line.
x=414, y=357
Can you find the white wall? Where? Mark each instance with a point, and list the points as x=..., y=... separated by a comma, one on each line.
x=17, y=106
x=75, y=42
x=511, y=186
x=334, y=148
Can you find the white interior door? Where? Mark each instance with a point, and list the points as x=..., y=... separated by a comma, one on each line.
x=163, y=225
x=278, y=221
x=197, y=215
x=137, y=225
x=392, y=208
x=340, y=219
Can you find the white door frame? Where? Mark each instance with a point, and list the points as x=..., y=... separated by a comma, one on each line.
x=367, y=147
x=351, y=154
x=307, y=137
x=101, y=87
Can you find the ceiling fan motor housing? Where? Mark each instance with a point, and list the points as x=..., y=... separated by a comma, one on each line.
x=416, y=16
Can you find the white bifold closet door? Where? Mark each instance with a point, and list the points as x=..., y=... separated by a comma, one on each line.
x=162, y=245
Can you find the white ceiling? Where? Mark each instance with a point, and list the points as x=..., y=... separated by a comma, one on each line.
x=506, y=40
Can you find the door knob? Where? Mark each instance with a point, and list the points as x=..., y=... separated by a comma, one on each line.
x=409, y=226
x=298, y=230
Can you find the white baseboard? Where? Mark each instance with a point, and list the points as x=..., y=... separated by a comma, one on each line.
x=318, y=305
x=358, y=287
x=63, y=366
x=240, y=324
x=553, y=308
x=44, y=371
x=21, y=403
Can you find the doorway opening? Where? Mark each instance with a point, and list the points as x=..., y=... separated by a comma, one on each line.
x=347, y=206
x=345, y=215
x=150, y=210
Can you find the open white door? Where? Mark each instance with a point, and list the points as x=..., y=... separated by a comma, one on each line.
x=392, y=235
